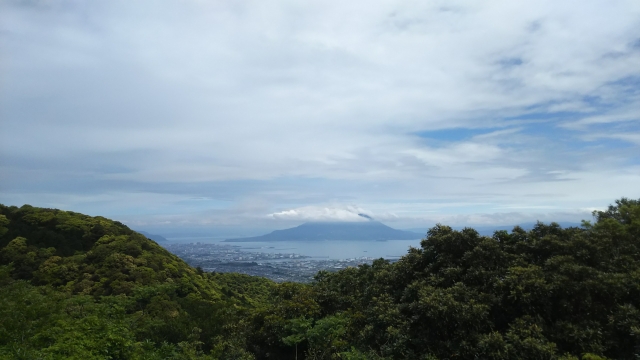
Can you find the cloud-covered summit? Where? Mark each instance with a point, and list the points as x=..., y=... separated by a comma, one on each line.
x=323, y=214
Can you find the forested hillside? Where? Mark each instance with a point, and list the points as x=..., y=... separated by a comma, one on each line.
x=74, y=286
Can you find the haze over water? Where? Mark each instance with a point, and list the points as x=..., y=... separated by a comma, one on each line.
x=328, y=249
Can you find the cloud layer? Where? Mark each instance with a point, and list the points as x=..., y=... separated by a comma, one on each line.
x=238, y=111
x=314, y=213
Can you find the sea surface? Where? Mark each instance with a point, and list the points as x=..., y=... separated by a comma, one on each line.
x=327, y=249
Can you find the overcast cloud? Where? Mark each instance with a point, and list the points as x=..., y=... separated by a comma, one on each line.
x=253, y=113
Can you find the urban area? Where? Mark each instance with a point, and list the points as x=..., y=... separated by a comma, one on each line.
x=279, y=267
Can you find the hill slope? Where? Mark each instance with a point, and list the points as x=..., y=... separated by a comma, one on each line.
x=70, y=282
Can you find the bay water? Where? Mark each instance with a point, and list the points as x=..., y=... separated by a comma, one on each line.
x=326, y=249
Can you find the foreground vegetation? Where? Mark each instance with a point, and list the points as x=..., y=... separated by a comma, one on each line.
x=80, y=287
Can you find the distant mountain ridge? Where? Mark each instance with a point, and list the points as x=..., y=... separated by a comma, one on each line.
x=488, y=230
x=315, y=231
x=154, y=237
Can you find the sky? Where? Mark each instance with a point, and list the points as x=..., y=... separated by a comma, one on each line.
x=241, y=116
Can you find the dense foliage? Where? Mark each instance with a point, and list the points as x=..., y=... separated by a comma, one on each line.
x=74, y=286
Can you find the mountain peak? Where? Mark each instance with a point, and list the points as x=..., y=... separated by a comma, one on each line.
x=314, y=231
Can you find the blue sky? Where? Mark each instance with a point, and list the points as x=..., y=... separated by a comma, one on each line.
x=243, y=116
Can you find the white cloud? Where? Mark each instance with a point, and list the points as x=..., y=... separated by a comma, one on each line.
x=467, y=152
x=633, y=137
x=305, y=106
x=627, y=116
x=314, y=213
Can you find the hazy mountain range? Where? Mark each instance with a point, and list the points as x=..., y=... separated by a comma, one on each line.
x=370, y=230
x=312, y=231
x=488, y=230
x=154, y=237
